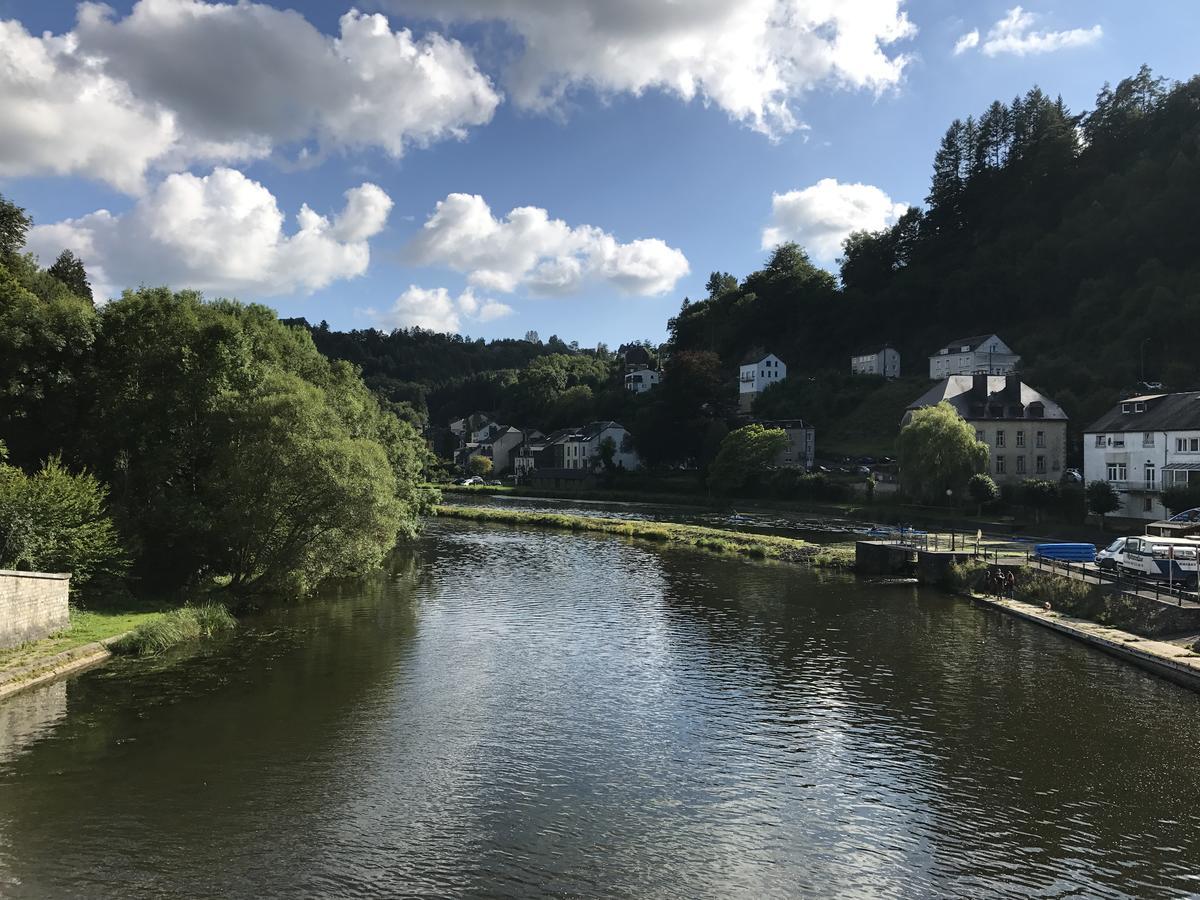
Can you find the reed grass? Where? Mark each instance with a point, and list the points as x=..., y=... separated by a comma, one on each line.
x=179, y=626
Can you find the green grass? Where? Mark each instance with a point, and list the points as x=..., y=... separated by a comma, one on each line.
x=713, y=540
x=87, y=626
x=179, y=626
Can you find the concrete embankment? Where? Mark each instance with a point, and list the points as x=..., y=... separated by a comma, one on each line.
x=1179, y=664
x=49, y=668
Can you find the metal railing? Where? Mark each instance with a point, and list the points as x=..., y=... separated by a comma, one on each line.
x=1120, y=581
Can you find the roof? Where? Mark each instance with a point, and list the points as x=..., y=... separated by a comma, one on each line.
x=959, y=392
x=1164, y=412
x=789, y=424
x=873, y=350
x=971, y=343
x=756, y=354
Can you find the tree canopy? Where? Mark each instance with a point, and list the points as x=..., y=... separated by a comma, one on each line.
x=939, y=452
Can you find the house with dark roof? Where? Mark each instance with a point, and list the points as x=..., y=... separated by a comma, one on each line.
x=801, y=449
x=1144, y=445
x=1026, y=431
x=580, y=448
x=876, y=360
x=983, y=354
x=759, y=370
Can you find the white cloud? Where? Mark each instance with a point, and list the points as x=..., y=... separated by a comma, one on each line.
x=749, y=57
x=546, y=256
x=433, y=309
x=182, y=81
x=820, y=216
x=1014, y=34
x=220, y=232
x=967, y=42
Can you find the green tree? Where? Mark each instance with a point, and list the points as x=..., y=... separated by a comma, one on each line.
x=1039, y=495
x=938, y=452
x=479, y=465
x=983, y=490
x=745, y=453
x=57, y=521
x=13, y=226
x=1181, y=497
x=1102, y=498
x=68, y=269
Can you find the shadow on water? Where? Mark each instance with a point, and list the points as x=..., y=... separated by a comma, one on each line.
x=514, y=712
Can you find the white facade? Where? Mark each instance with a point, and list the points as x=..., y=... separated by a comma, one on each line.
x=756, y=376
x=641, y=380
x=885, y=362
x=986, y=354
x=582, y=449
x=1141, y=464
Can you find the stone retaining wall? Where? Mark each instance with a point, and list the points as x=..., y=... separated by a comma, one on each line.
x=32, y=605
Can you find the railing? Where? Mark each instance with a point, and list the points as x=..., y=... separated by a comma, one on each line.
x=1120, y=581
x=1140, y=486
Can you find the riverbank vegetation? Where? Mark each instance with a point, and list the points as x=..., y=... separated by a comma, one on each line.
x=201, y=441
x=714, y=540
x=179, y=626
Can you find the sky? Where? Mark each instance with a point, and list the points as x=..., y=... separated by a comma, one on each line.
x=497, y=166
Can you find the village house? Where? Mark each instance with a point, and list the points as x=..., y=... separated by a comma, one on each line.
x=472, y=429
x=981, y=353
x=801, y=448
x=759, y=370
x=641, y=380
x=1143, y=446
x=883, y=361
x=579, y=448
x=1025, y=431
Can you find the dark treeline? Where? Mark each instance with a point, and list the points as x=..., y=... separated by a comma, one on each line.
x=1072, y=235
x=186, y=442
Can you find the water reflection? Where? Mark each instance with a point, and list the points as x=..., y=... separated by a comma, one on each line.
x=520, y=713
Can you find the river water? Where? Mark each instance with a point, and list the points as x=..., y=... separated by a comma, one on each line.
x=526, y=713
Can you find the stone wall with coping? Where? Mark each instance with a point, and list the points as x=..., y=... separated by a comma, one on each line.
x=33, y=605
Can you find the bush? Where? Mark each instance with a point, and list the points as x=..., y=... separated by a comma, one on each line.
x=965, y=576
x=1063, y=594
x=191, y=623
x=57, y=521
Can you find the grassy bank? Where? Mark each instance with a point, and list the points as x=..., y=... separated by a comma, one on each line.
x=179, y=626
x=87, y=627
x=713, y=540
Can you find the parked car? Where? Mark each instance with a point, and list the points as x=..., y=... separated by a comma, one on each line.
x=862, y=470
x=1109, y=559
x=495, y=482
x=1072, y=476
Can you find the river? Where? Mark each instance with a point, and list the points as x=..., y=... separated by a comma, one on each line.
x=513, y=712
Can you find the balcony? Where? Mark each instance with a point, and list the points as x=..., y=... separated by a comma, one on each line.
x=1138, y=487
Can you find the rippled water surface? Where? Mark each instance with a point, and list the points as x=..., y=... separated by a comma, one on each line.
x=526, y=713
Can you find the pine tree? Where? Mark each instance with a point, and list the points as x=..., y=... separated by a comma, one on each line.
x=68, y=269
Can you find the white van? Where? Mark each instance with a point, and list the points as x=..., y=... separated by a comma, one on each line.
x=1165, y=559
x=1110, y=558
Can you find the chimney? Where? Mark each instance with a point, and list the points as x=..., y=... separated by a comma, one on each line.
x=1012, y=387
x=979, y=385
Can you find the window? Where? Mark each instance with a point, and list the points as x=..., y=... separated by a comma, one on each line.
x=1020, y=438
x=1187, y=445
x=1000, y=465
x=1119, y=441
x=1020, y=465
x=1147, y=438
x=1151, y=474
x=1148, y=504
x=999, y=438
x=1117, y=472
x=1040, y=465
x=979, y=436
x=1040, y=439
x=1100, y=441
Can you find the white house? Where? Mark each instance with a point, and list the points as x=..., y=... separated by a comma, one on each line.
x=981, y=353
x=641, y=380
x=580, y=449
x=473, y=428
x=1142, y=446
x=883, y=361
x=759, y=371
x=1025, y=431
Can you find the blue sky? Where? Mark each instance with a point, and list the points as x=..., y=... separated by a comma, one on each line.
x=653, y=190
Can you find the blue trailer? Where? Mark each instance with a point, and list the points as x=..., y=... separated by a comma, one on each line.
x=1081, y=553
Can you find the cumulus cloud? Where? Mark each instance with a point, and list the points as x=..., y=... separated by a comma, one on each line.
x=182, y=81
x=220, y=232
x=820, y=216
x=968, y=41
x=434, y=309
x=1015, y=34
x=546, y=256
x=749, y=57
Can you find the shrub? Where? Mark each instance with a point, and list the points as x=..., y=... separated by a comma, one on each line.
x=190, y=623
x=965, y=576
x=1063, y=594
